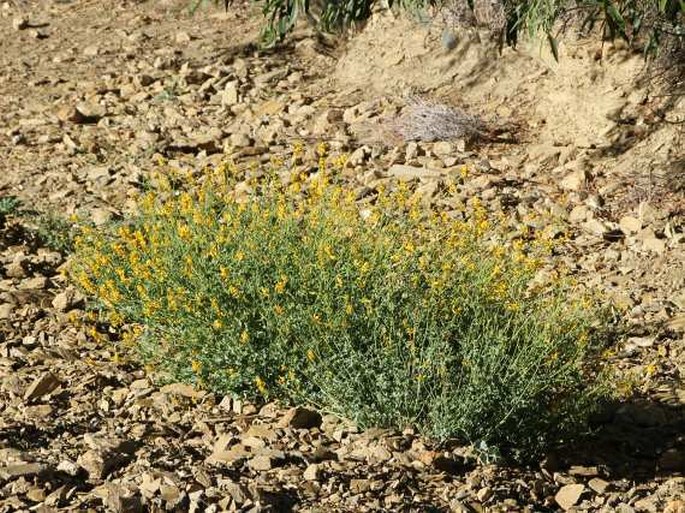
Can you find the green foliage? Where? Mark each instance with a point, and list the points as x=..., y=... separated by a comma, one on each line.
x=54, y=232
x=389, y=315
x=645, y=22
x=9, y=205
x=650, y=21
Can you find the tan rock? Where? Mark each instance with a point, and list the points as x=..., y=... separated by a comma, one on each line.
x=238, y=492
x=654, y=245
x=484, y=494
x=91, y=50
x=261, y=463
x=35, y=283
x=676, y=323
x=404, y=172
x=36, y=494
x=20, y=22
x=443, y=148
x=574, y=181
x=87, y=112
x=598, y=485
x=225, y=452
x=312, y=472
x=301, y=418
x=41, y=386
x=229, y=96
x=66, y=300
x=579, y=214
x=569, y=495
x=6, y=310
x=360, y=485
x=15, y=270
x=18, y=470
x=183, y=390
x=182, y=37
x=675, y=506
x=594, y=226
x=630, y=224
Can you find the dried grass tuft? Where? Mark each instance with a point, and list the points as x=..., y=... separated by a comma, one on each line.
x=428, y=121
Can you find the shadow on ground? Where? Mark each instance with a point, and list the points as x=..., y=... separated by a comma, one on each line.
x=637, y=440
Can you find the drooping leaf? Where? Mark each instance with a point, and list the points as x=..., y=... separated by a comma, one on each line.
x=553, y=45
x=617, y=23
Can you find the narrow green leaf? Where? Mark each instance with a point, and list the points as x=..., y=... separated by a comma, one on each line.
x=554, y=46
x=619, y=24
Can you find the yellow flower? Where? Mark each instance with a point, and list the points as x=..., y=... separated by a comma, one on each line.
x=261, y=386
x=321, y=149
x=184, y=231
x=280, y=286
x=224, y=272
x=310, y=355
x=196, y=365
x=513, y=306
x=244, y=337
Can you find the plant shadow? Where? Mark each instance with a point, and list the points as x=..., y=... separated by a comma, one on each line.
x=637, y=440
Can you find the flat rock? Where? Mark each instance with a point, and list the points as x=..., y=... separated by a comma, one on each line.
x=182, y=389
x=24, y=470
x=6, y=310
x=35, y=283
x=87, y=112
x=574, y=181
x=654, y=245
x=403, y=172
x=630, y=224
x=598, y=485
x=228, y=455
x=312, y=472
x=261, y=463
x=569, y=495
x=41, y=386
x=301, y=418
x=238, y=492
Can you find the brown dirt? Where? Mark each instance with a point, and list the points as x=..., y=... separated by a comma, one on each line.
x=91, y=93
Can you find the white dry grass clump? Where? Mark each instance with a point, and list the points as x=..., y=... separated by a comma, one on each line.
x=428, y=121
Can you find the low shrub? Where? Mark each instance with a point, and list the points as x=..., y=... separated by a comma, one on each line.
x=386, y=313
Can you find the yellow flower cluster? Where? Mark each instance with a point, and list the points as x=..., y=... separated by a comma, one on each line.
x=246, y=257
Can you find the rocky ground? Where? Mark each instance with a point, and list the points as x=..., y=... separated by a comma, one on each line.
x=93, y=93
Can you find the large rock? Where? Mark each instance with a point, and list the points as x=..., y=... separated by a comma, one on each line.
x=569, y=495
